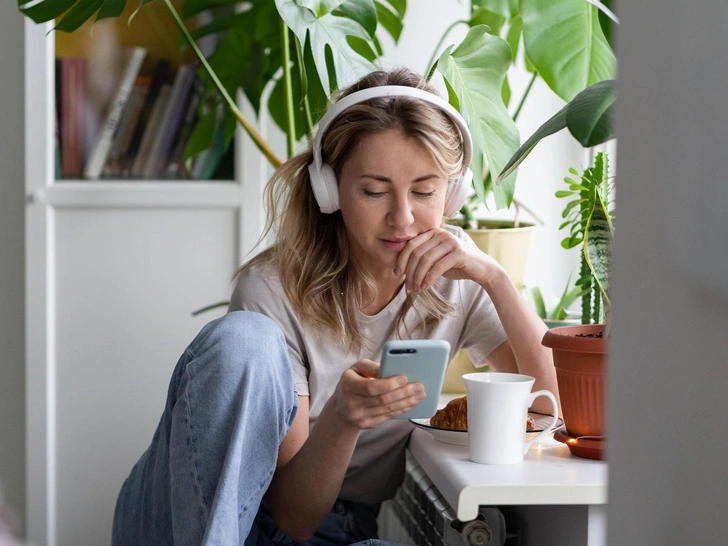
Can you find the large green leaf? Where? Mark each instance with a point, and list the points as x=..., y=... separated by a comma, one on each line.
x=249, y=54
x=328, y=33
x=553, y=125
x=506, y=8
x=363, y=12
x=564, y=41
x=320, y=7
x=589, y=116
x=475, y=71
x=589, y=119
x=390, y=19
x=75, y=12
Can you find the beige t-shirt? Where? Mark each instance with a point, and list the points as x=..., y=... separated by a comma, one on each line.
x=377, y=465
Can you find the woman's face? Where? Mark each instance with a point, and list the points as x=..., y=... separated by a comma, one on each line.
x=390, y=190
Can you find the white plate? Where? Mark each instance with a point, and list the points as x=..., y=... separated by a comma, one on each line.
x=460, y=437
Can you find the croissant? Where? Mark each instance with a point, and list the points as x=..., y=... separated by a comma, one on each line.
x=454, y=416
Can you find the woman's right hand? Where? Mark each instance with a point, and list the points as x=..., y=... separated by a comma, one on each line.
x=364, y=401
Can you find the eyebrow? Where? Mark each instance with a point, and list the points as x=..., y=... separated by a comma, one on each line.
x=381, y=178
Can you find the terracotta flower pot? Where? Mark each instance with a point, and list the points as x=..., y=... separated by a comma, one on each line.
x=581, y=370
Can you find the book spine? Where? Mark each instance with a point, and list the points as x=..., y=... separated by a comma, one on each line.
x=158, y=79
x=160, y=148
x=72, y=97
x=176, y=167
x=97, y=159
x=133, y=105
x=152, y=128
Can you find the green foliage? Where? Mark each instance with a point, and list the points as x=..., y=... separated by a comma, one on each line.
x=589, y=223
x=588, y=117
x=331, y=43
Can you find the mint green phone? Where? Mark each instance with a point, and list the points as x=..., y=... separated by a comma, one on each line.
x=420, y=360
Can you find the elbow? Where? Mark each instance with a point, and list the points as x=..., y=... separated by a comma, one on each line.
x=293, y=527
x=299, y=533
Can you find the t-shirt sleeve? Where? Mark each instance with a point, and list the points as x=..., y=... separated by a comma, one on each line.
x=483, y=331
x=262, y=293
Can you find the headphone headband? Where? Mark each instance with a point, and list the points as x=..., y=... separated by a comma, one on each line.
x=392, y=91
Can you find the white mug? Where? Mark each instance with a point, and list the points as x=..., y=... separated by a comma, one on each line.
x=497, y=408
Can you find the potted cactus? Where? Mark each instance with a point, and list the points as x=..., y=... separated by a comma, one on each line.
x=580, y=351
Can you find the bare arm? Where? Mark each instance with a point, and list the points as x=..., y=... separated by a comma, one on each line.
x=311, y=466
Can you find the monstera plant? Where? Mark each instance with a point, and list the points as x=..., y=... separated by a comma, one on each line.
x=305, y=49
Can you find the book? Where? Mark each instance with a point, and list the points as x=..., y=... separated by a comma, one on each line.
x=169, y=122
x=175, y=166
x=159, y=78
x=114, y=161
x=72, y=71
x=150, y=132
x=97, y=158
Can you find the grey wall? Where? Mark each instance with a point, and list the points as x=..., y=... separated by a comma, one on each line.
x=669, y=368
x=12, y=304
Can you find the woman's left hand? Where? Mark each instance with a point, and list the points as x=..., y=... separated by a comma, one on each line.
x=438, y=253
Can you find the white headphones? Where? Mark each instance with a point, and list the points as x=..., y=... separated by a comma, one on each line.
x=323, y=178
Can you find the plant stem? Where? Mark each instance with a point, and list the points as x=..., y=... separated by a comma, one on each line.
x=431, y=63
x=259, y=141
x=524, y=96
x=307, y=119
x=288, y=90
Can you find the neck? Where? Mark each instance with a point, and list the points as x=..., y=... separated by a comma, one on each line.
x=387, y=290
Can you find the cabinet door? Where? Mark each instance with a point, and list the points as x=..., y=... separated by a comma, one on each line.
x=114, y=270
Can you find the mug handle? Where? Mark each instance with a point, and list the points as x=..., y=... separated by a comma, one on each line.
x=549, y=428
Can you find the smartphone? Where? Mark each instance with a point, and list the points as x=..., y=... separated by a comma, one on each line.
x=421, y=361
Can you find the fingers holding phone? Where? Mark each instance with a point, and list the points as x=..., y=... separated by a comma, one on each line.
x=366, y=400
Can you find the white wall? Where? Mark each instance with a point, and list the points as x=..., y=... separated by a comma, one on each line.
x=12, y=314
x=668, y=371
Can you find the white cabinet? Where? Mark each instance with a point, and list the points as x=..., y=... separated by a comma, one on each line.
x=113, y=271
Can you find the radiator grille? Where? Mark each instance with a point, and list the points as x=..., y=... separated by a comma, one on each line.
x=429, y=521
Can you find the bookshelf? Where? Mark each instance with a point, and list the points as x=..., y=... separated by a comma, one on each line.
x=114, y=269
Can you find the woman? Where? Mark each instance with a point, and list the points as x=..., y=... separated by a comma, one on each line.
x=275, y=413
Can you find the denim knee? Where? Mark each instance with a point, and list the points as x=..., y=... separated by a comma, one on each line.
x=245, y=342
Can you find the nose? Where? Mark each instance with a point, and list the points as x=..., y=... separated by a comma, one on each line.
x=400, y=214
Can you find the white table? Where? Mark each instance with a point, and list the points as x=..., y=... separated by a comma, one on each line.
x=553, y=497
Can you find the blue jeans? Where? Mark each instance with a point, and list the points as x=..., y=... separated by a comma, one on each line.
x=230, y=403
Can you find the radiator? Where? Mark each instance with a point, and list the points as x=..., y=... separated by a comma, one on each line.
x=419, y=515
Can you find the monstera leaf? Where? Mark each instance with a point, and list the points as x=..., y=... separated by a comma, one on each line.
x=328, y=34
x=474, y=71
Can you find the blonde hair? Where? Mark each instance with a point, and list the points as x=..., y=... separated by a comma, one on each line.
x=312, y=254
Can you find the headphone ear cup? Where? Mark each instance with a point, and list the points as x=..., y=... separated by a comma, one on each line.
x=458, y=193
x=325, y=188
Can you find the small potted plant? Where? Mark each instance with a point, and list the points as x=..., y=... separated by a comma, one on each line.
x=580, y=352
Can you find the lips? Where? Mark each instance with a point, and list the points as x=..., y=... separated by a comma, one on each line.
x=397, y=239
x=396, y=243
